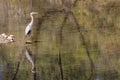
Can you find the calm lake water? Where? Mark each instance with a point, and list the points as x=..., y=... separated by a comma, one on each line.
x=61, y=56
x=48, y=59
x=38, y=61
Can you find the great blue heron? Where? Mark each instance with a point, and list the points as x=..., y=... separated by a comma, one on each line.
x=29, y=26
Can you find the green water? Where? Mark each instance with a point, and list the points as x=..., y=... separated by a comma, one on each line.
x=53, y=64
x=89, y=54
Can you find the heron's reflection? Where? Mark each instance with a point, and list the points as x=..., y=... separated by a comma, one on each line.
x=27, y=53
x=29, y=57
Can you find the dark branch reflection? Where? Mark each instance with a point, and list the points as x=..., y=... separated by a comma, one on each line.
x=30, y=54
x=26, y=53
x=91, y=77
x=17, y=68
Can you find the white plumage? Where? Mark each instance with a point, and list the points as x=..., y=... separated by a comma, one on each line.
x=29, y=26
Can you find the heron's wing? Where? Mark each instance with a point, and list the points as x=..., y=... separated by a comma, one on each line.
x=28, y=29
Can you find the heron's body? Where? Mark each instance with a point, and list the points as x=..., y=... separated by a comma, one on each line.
x=29, y=26
x=28, y=30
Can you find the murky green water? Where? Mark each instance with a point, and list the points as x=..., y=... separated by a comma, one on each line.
x=59, y=56
x=33, y=62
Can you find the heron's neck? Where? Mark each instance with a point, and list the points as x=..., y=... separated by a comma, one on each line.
x=31, y=18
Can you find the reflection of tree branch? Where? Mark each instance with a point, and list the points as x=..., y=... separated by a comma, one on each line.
x=92, y=67
x=60, y=45
x=17, y=69
x=60, y=64
x=43, y=18
x=83, y=42
x=35, y=50
x=81, y=37
x=31, y=59
x=67, y=13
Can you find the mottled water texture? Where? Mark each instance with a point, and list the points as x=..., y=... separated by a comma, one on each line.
x=70, y=40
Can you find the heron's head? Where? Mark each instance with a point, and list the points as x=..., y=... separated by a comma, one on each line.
x=33, y=13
